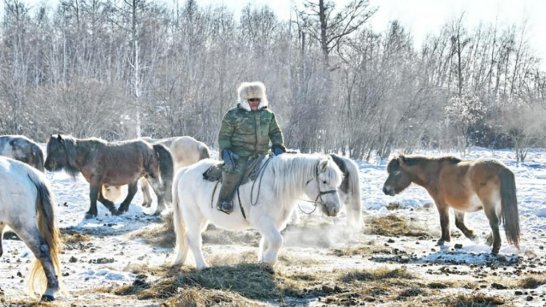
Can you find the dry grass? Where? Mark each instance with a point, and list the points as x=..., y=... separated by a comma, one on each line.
x=394, y=225
x=367, y=249
x=161, y=236
x=204, y=297
x=531, y=281
x=246, y=283
x=377, y=274
x=70, y=237
x=474, y=300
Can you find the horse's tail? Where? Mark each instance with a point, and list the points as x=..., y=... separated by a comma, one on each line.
x=181, y=247
x=166, y=165
x=204, y=152
x=38, y=158
x=45, y=216
x=509, y=205
x=354, y=206
x=350, y=186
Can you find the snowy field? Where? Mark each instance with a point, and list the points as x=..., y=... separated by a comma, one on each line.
x=106, y=253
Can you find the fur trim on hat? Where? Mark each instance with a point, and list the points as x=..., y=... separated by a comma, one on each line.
x=248, y=90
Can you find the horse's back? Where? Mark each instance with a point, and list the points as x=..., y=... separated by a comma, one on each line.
x=17, y=189
x=465, y=185
x=186, y=150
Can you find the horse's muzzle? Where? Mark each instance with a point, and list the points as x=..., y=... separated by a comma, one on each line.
x=388, y=191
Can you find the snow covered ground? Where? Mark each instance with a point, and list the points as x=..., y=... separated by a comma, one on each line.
x=112, y=248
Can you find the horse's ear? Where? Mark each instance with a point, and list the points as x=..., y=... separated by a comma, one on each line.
x=402, y=159
x=323, y=165
x=60, y=138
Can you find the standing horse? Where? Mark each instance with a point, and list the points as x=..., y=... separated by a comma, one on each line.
x=117, y=163
x=23, y=149
x=265, y=207
x=466, y=186
x=27, y=207
x=185, y=151
x=349, y=191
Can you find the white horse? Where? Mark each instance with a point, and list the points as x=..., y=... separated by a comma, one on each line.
x=274, y=193
x=185, y=151
x=27, y=207
x=23, y=149
x=349, y=191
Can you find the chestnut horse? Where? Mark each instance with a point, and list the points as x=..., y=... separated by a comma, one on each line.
x=466, y=186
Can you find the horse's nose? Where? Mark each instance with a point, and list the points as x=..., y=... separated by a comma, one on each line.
x=387, y=190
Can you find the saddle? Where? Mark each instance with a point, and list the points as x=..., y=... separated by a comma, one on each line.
x=214, y=172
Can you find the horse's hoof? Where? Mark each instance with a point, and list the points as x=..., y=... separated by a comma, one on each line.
x=47, y=298
x=90, y=215
x=440, y=242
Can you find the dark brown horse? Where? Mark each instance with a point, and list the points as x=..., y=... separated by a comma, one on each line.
x=466, y=186
x=117, y=163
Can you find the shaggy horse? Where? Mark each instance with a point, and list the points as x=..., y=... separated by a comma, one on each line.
x=349, y=191
x=264, y=204
x=23, y=149
x=185, y=151
x=117, y=163
x=466, y=186
x=27, y=207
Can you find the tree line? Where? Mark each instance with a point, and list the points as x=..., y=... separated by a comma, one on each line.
x=118, y=69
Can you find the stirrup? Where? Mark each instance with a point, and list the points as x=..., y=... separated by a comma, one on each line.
x=226, y=206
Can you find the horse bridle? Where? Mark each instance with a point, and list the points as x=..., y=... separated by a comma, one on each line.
x=318, y=199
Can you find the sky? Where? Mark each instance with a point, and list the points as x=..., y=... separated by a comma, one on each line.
x=421, y=17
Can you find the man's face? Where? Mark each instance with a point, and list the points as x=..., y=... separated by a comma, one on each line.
x=254, y=103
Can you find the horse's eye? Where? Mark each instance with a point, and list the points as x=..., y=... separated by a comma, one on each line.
x=324, y=181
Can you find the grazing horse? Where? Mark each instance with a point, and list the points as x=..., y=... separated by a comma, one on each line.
x=23, y=149
x=466, y=186
x=264, y=204
x=27, y=207
x=116, y=163
x=349, y=191
x=185, y=151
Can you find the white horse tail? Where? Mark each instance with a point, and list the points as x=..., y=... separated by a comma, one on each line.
x=350, y=186
x=354, y=206
x=181, y=247
x=45, y=216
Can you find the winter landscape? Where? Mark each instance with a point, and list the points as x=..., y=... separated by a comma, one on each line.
x=366, y=79
x=393, y=260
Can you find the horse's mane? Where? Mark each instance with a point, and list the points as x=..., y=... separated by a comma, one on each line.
x=285, y=180
x=420, y=160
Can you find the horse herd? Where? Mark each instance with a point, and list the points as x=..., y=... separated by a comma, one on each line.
x=174, y=168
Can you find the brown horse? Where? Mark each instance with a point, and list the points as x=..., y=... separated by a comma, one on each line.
x=185, y=151
x=466, y=186
x=117, y=163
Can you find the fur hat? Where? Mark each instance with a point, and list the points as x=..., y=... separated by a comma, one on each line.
x=248, y=90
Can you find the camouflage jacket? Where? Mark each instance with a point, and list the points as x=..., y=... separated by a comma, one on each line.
x=247, y=133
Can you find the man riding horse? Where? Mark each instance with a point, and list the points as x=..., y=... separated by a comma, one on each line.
x=245, y=134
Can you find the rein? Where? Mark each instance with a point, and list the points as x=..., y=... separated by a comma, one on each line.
x=318, y=199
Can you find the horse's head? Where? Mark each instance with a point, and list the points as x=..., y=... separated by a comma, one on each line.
x=323, y=189
x=58, y=153
x=398, y=179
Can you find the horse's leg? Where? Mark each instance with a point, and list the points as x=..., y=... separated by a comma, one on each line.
x=147, y=197
x=33, y=239
x=459, y=222
x=2, y=225
x=107, y=203
x=443, y=211
x=195, y=226
x=94, y=188
x=131, y=191
x=263, y=247
x=274, y=242
x=494, y=224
